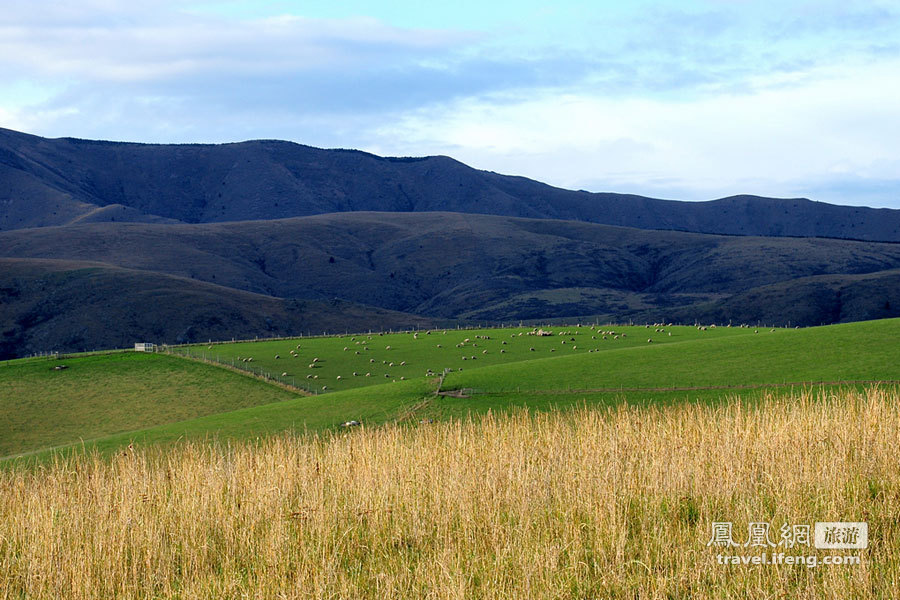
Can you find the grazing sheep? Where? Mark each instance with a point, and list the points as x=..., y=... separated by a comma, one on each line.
x=484, y=351
x=439, y=346
x=284, y=374
x=368, y=374
x=346, y=348
x=298, y=346
x=387, y=347
x=338, y=377
x=386, y=375
x=357, y=352
x=371, y=360
x=502, y=351
x=315, y=376
x=276, y=356
x=402, y=363
x=391, y=364
x=309, y=376
x=312, y=366
x=403, y=379
x=649, y=341
x=315, y=360
x=532, y=349
x=324, y=387
x=350, y=423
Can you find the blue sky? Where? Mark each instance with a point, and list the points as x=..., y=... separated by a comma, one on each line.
x=689, y=100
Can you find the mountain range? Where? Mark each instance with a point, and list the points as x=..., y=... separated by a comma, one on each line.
x=104, y=243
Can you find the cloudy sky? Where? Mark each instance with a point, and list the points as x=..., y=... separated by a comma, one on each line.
x=679, y=99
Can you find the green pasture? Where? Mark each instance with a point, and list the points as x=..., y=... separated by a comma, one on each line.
x=113, y=400
x=352, y=361
x=98, y=395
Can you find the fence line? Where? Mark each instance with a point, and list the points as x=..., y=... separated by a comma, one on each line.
x=260, y=373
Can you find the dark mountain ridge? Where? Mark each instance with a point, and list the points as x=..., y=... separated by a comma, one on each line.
x=64, y=181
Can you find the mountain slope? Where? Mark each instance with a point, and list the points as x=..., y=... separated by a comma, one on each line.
x=61, y=181
x=240, y=279
x=74, y=306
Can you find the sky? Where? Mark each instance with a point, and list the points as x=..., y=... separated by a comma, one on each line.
x=687, y=99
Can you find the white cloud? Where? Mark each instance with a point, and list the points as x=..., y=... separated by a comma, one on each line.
x=834, y=121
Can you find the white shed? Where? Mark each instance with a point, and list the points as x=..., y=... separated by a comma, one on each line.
x=144, y=347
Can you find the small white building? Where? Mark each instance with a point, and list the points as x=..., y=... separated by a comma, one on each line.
x=144, y=347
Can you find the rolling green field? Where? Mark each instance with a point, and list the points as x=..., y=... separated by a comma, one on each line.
x=353, y=361
x=112, y=400
x=98, y=395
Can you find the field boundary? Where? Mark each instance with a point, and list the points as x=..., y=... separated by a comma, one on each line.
x=466, y=392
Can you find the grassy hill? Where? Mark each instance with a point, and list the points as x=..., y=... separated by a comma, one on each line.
x=693, y=364
x=103, y=394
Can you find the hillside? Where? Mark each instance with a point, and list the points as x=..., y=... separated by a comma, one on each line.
x=64, y=181
x=69, y=306
x=690, y=365
x=175, y=283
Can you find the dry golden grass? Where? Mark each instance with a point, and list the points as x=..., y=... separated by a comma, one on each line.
x=584, y=504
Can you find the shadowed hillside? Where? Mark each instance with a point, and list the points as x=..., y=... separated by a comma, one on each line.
x=231, y=279
x=63, y=181
x=73, y=306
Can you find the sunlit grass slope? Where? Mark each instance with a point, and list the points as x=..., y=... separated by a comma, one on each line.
x=103, y=394
x=318, y=362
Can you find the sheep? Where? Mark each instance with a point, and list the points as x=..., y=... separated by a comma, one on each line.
x=312, y=366
x=315, y=360
x=402, y=363
x=368, y=374
x=387, y=347
x=649, y=341
x=357, y=352
x=284, y=374
x=338, y=377
x=355, y=374
x=391, y=364
x=484, y=351
x=371, y=360
x=403, y=379
x=324, y=387
x=309, y=376
x=532, y=349
x=277, y=357
x=315, y=376
x=502, y=351
x=346, y=348
x=439, y=346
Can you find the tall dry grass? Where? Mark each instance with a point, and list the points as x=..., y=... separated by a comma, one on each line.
x=584, y=504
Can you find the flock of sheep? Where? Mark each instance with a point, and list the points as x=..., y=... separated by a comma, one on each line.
x=477, y=345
